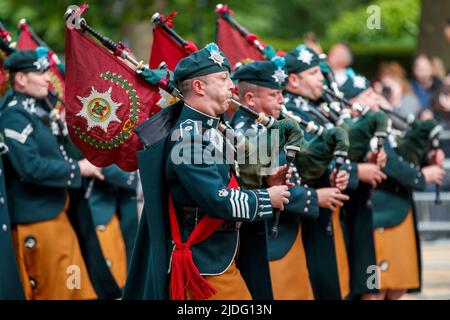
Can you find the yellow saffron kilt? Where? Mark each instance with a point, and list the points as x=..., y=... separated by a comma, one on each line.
x=113, y=249
x=397, y=256
x=229, y=285
x=50, y=262
x=341, y=254
x=290, y=276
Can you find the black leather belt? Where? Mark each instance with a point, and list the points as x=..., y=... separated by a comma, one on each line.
x=192, y=216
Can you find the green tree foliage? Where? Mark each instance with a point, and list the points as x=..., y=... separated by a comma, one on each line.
x=399, y=24
x=47, y=17
x=280, y=23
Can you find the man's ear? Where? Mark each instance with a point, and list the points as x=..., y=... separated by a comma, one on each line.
x=20, y=79
x=249, y=99
x=293, y=79
x=198, y=87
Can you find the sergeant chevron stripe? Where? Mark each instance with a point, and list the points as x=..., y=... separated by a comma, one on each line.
x=239, y=204
x=20, y=137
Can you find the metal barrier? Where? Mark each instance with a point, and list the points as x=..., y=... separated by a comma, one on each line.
x=434, y=220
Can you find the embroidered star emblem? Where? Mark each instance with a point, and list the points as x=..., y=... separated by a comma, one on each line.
x=216, y=57
x=30, y=105
x=215, y=138
x=301, y=103
x=359, y=82
x=99, y=109
x=41, y=63
x=305, y=56
x=279, y=76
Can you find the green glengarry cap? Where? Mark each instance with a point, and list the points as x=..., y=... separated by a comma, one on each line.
x=354, y=85
x=269, y=74
x=200, y=63
x=28, y=60
x=301, y=59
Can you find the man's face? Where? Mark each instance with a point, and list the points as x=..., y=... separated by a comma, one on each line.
x=218, y=89
x=447, y=31
x=339, y=57
x=423, y=70
x=368, y=98
x=33, y=84
x=310, y=83
x=268, y=100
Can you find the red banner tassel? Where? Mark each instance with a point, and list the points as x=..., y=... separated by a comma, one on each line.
x=190, y=47
x=224, y=9
x=169, y=18
x=185, y=277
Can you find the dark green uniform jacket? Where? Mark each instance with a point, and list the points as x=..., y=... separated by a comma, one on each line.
x=318, y=234
x=393, y=199
x=39, y=175
x=10, y=284
x=116, y=194
x=198, y=187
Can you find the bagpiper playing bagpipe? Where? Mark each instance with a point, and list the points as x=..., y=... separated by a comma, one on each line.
x=260, y=89
x=111, y=201
x=325, y=243
x=364, y=126
x=40, y=177
x=395, y=233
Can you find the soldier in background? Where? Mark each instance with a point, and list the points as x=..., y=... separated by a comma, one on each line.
x=10, y=285
x=38, y=176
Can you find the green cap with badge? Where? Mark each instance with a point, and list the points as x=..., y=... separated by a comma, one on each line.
x=269, y=74
x=28, y=60
x=354, y=85
x=301, y=59
x=200, y=63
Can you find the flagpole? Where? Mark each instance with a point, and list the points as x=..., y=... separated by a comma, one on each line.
x=7, y=37
x=5, y=34
x=244, y=32
x=115, y=47
x=24, y=24
x=157, y=20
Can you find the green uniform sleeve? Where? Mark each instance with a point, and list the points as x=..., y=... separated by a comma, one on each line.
x=404, y=172
x=119, y=178
x=303, y=202
x=21, y=139
x=201, y=179
x=352, y=169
